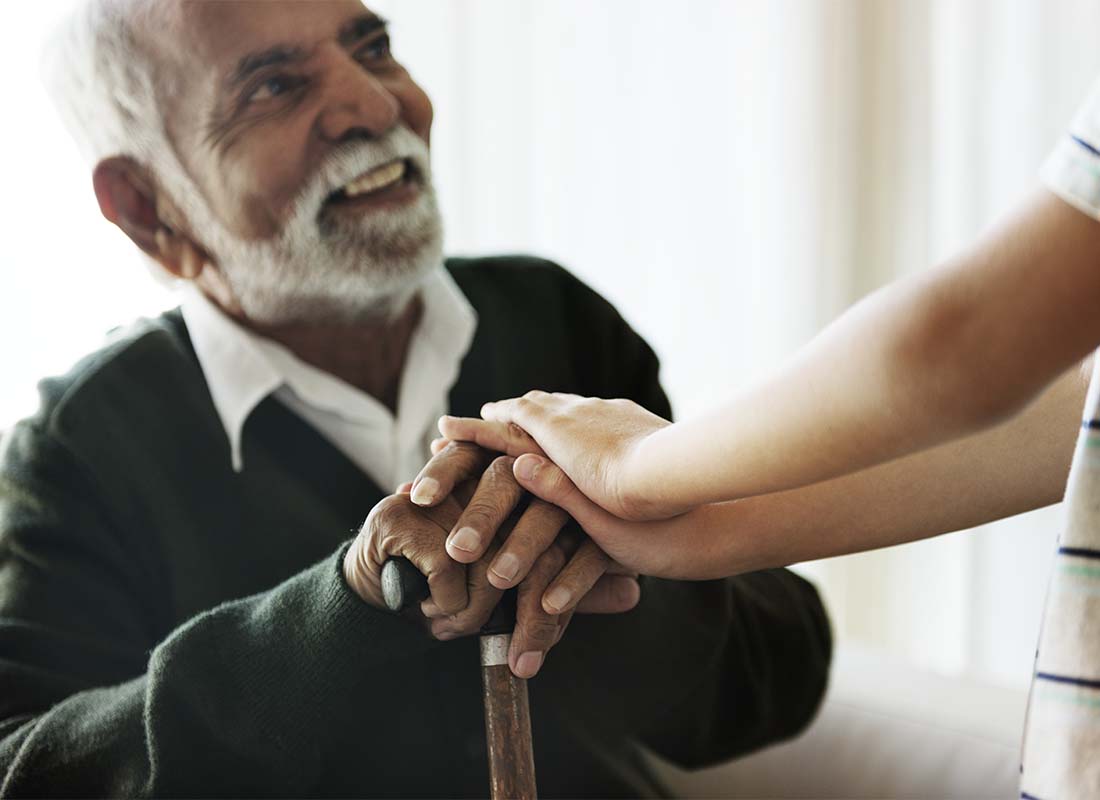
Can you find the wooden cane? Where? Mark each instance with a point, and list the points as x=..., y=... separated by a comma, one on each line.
x=507, y=714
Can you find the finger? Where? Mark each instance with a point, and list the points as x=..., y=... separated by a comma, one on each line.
x=454, y=463
x=529, y=411
x=494, y=499
x=395, y=527
x=438, y=444
x=504, y=437
x=586, y=567
x=615, y=568
x=546, y=480
x=535, y=531
x=612, y=594
x=430, y=610
x=536, y=630
x=484, y=597
x=404, y=488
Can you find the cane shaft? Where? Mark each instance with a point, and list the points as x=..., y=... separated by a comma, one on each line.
x=507, y=724
x=507, y=715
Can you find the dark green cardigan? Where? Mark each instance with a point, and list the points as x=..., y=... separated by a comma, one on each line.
x=170, y=627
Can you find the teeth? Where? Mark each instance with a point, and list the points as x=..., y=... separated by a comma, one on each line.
x=376, y=179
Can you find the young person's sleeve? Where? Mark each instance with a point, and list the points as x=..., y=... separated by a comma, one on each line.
x=1072, y=171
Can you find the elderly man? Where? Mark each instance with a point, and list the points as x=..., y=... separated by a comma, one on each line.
x=180, y=610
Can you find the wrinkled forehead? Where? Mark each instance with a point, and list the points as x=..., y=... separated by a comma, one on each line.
x=223, y=30
x=207, y=41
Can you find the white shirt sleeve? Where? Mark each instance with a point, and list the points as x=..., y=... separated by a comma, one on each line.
x=1072, y=171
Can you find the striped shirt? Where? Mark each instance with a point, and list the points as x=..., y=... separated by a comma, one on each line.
x=1061, y=750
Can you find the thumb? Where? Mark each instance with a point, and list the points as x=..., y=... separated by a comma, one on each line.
x=546, y=480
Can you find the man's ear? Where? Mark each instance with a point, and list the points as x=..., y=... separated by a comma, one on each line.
x=127, y=197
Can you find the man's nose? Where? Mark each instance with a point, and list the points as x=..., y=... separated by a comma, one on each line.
x=356, y=100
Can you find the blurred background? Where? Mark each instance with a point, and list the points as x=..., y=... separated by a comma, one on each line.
x=730, y=173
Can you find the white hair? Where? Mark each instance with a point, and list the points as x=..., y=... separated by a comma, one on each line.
x=104, y=85
x=109, y=91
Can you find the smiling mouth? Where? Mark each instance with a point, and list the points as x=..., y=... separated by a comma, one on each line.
x=373, y=184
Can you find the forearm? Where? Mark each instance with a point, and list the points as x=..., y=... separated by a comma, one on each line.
x=942, y=355
x=1015, y=467
x=249, y=698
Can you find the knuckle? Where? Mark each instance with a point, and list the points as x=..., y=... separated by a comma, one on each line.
x=553, y=559
x=541, y=628
x=590, y=553
x=387, y=515
x=439, y=568
x=480, y=514
x=470, y=619
x=455, y=452
x=556, y=482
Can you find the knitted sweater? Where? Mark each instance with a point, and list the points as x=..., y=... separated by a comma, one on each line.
x=171, y=627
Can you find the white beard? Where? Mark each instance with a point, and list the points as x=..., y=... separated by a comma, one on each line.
x=333, y=271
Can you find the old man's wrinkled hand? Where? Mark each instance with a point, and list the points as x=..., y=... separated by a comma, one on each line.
x=483, y=537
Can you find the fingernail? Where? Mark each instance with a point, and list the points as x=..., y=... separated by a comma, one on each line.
x=557, y=598
x=425, y=491
x=445, y=636
x=527, y=466
x=506, y=566
x=467, y=539
x=528, y=664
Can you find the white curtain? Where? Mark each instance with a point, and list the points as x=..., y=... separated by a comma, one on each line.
x=731, y=173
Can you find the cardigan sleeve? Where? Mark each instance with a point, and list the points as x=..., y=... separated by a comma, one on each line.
x=240, y=697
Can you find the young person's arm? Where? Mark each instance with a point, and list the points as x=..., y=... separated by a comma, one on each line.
x=1014, y=467
x=918, y=363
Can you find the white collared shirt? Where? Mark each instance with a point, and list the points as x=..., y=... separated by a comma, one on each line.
x=242, y=368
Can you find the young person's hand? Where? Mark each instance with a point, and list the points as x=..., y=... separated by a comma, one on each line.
x=597, y=443
x=694, y=545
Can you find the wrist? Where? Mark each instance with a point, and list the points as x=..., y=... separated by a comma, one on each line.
x=643, y=484
x=360, y=579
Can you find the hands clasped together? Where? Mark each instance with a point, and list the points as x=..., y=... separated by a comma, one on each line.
x=470, y=527
x=602, y=462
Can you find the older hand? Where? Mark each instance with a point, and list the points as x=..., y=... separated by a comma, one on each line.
x=595, y=442
x=463, y=595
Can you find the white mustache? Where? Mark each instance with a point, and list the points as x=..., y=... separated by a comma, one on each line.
x=355, y=159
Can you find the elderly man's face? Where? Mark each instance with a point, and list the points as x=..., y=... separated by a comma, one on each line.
x=308, y=141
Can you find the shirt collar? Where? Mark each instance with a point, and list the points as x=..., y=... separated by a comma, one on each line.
x=242, y=368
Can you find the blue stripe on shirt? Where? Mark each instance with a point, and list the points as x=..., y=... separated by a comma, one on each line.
x=1083, y=682
x=1079, y=552
x=1085, y=145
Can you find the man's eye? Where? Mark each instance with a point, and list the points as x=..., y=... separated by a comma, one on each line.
x=272, y=87
x=376, y=50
